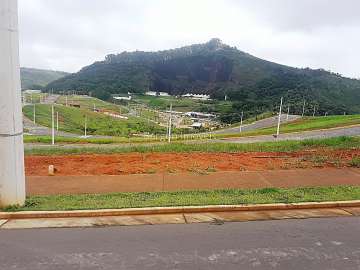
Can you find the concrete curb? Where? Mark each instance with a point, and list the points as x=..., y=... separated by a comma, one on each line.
x=175, y=210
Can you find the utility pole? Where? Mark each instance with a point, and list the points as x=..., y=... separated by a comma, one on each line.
x=85, y=127
x=288, y=111
x=34, y=114
x=94, y=108
x=66, y=101
x=241, y=120
x=12, y=173
x=303, y=110
x=279, y=119
x=170, y=120
x=314, y=111
x=52, y=125
x=57, y=121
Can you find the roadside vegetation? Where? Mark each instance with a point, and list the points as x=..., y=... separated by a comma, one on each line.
x=281, y=146
x=73, y=120
x=183, y=104
x=355, y=162
x=188, y=198
x=303, y=124
x=87, y=102
x=90, y=140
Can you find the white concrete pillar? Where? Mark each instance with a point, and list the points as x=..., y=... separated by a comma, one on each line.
x=12, y=176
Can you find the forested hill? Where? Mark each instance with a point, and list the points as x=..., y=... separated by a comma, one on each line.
x=38, y=78
x=216, y=69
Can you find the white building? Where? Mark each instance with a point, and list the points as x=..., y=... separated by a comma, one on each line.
x=128, y=98
x=199, y=115
x=197, y=96
x=29, y=91
x=157, y=94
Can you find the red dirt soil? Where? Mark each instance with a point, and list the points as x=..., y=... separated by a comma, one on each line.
x=136, y=163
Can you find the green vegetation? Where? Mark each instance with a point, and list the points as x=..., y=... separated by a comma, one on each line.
x=355, y=162
x=87, y=102
x=252, y=85
x=90, y=140
x=304, y=124
x=163, y=103
x=188, y=198
x=73, y=120
x=282, y=146
x=38, y=78
x=34, y=98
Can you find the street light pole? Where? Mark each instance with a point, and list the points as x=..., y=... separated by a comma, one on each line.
x=170, y=123
x=287, y=115
x=279, y=119
x=85, y=127
x=34, y=116
x=57, y=121
x=241, y=120
x=52, y=125
x=303, y=110
x=12, y=173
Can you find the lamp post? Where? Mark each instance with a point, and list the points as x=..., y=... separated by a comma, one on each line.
x=170, y=124
x=303, y=110
x=287, y=115
x=12, y=174
x=34, y=116
x=279, y=119
x=52, y=125
x=241, y=120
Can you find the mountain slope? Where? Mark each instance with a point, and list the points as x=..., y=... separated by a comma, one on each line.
x=37, y=78
x=253, y=84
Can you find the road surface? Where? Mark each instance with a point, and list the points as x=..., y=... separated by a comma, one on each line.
x=314, y=134
x=330, y=243
x=264, y=123
x=35, y=129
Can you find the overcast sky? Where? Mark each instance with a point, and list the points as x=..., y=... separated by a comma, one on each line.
x=69, y=34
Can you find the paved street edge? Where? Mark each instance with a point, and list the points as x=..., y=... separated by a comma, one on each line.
x=176, y=210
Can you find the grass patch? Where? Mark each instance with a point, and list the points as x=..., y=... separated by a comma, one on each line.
x=355, y=162
x=303, y=124
x=188, y=198
x=91, y=140
x=73, y=120
x=281, y=146
x=89, y=102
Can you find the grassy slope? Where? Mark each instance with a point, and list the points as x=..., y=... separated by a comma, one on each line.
x=189, y=198
x=89, y=102
x=73, y=120
x=282, y=146
x=305, y=124
x=182, y=104
x=33, y=76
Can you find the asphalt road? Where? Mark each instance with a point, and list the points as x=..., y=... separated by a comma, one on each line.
x=35, y=129
x=315, y=134
x=331, y=243
x=264, y=123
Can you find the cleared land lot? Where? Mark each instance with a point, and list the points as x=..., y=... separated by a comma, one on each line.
x=72, y=120
x=198, y=163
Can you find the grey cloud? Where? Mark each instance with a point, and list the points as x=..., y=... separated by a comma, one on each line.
x=68, y=34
